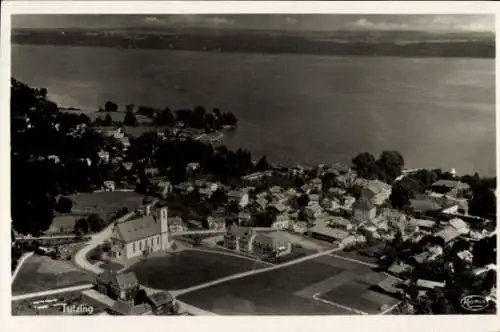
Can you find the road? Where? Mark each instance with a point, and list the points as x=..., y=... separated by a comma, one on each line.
x=20, y=263
x=51, y=292
x=47, y=237
x=249, y=273
x=80, y=258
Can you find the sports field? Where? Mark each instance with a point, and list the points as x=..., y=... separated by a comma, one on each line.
x=190, y=268
x=323, y=286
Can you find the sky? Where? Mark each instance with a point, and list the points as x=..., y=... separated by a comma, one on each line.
x=327, y=22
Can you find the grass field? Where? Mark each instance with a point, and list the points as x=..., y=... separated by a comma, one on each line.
x=300, y=289
x=106, y=201
x=40, y=273
x=189, y=268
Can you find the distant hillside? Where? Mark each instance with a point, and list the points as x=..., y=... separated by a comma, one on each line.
x=365, y=43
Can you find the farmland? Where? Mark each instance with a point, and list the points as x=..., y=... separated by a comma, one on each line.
x=40, y=273
x=301, y=289
x=189, y=268
x=105, y=201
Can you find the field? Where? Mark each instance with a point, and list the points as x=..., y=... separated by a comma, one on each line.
x=321, y=286
x=189, y=268
x=106, y=201
x=40, y=273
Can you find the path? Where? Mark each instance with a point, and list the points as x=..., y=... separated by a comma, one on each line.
x=46, y=237
x=317, y=298
x=249, y=273
x=80, y=258
x=355, y=261
x=51, y=292
x=20, y=263
x=388, y=310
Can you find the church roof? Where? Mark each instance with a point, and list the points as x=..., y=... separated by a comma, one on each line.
x=136, y=229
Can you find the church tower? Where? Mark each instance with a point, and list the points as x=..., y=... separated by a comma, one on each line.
x=164, y=228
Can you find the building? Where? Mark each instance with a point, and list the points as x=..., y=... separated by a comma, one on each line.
x=185, y=187
x=300, y=227
x=291, y=192
x=162, y=303
x=272, y=245
x=192, y=167
x=398, y=269
x=377, y=191
x=118, y=286
x=429, y=284
x=239, y=238
x=216, y=223
x=323, y=232
x=341, y=223
x=244, y=218
x=448, y=234
x=275, y=190
x=450, y=187
x=239, y=197
x=109, y=185
x=364, y=210
x=314, y=198
x=423, y=224
x=164, y=188
x=135, y=237
x=282, y=222
x=175, y=225
x=317, y=184
x=63, y=224
x=461, y=226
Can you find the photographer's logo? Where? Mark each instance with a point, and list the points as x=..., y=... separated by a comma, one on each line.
x=474, y=303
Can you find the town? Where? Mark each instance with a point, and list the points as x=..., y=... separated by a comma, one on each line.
x=122, y=214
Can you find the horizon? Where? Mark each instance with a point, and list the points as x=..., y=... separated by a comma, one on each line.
x=463, y=23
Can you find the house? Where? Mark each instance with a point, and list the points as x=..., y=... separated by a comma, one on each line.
x=306, y=188
x=422, y=257
x=317, y=184
x=199, y=183
x=377, y=191
x=135, y=237
x=192, y=167
x=206, y=192
x=398, y=269
x=239, y=197
x=423, y=224
x=164, y=188
x=323, y=232
x=429, y=284
x=118, y=286
x=282, y=222
x=291, y=192
x=129, y=309
x=448, y=234
x=465, y=255
x=162, y=303
x=341, y=223
x=152, y=171
x=348, y=202
x=314, y=197
x=244, y=218
x=175, y=225
x=262, y=203
x=62, y=224
x=253, y=177
x=330, y=204
x=271, y=245
x=364, y=210
x=263, y=195
x=280, y=197
x=212, y=186
x=109, y=185
x=450, y=187
x=128, y=165
x=300, y=227
x=216, y=223
x=279, y=207
x=185, y=187
x=424, y=205
x=104, y=156
x=239, y=238
x=461, y=226
x=275, y=190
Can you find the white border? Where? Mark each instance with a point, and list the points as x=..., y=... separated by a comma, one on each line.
x=288, y=323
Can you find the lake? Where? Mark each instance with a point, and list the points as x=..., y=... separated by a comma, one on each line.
x=294, y=108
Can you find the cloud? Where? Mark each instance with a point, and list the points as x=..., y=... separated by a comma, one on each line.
x=437, y=22
x=189, y=20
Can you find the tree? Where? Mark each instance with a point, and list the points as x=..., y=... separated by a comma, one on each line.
x=364, y=164
x=262, y=165
x=303, y=200
x=81, y=226
x=109, y=106
x=95, y=223
x=130, y=108
x=108, y=121
x=130, y=119
x=483, y=203
x=391, y=164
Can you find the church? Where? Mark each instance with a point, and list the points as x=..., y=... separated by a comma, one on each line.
x=140, y=236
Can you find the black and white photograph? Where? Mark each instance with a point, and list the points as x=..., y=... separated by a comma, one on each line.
x=252, y=164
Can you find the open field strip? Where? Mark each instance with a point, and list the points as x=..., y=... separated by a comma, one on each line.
x=229, y=253
x=317, y=298
x=354, y=260
x=249, y=273
x=51, y=292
